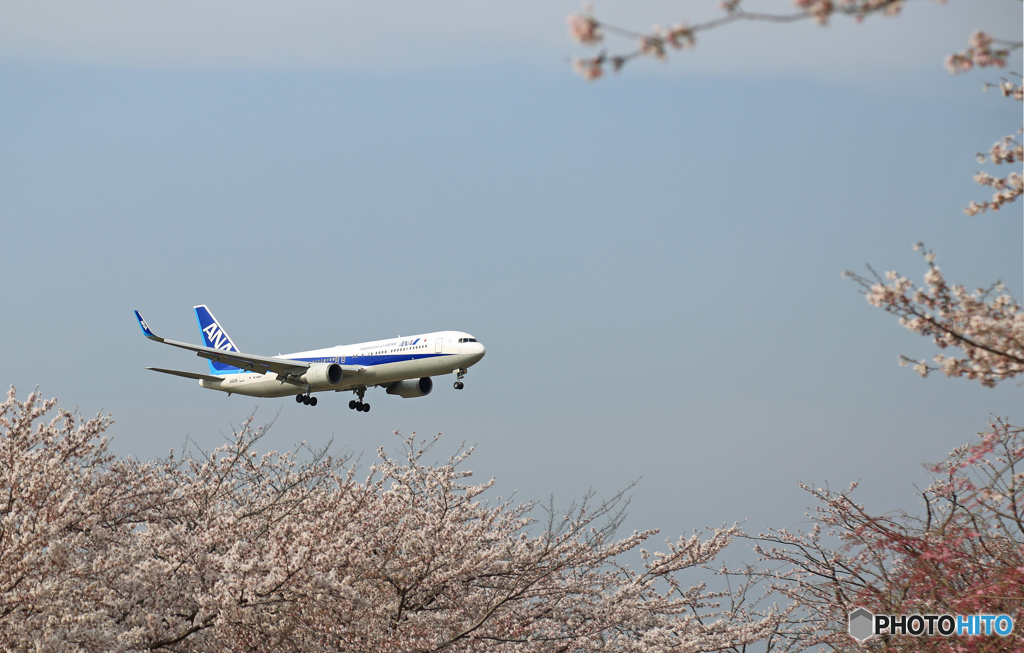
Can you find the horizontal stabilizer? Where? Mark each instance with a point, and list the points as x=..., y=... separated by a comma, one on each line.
x=187, y=375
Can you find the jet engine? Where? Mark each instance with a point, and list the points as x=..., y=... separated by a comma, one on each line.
x=322, y=375
x=412, y=388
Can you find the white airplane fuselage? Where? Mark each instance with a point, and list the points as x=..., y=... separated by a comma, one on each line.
x=383, y=362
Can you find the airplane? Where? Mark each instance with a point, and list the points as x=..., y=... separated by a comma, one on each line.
x=403, y=366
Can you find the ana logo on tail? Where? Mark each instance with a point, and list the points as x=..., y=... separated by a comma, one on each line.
x=217, y=339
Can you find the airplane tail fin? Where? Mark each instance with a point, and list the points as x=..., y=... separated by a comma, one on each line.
x=216, y=337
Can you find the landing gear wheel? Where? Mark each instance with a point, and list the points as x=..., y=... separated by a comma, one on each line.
x=357, y=404
x=298, y=399
x=459, y=385
x=312, y=401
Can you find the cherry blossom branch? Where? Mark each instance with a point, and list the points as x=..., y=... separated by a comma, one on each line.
x=1008, y=150
x=584, y=28
x=986, y=325
x=982, y=51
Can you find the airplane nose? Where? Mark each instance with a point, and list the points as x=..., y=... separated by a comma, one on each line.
x=476, y=352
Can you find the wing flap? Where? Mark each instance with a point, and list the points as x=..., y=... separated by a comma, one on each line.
x=259, y=364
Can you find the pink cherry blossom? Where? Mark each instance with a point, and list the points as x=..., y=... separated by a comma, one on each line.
x=584, y=29
x=980, y=52
x=986, y=325
x=589, y=69
x=233, y=550
x=963, y=555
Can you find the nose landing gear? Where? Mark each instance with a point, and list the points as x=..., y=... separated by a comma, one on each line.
x=305, y=399
x=459, y=373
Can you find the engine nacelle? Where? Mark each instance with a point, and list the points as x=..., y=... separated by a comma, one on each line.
x=412, y=388
x=322, y=375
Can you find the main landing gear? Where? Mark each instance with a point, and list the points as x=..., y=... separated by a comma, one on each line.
x=359, y=405
x=459, y=373
x=305, y=399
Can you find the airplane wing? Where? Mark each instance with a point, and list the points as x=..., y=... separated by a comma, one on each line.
x=284, y=368
x=187, y=375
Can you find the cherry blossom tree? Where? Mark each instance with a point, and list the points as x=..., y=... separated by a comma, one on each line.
x=233, y=550
x=66, y=506
x=965, y=555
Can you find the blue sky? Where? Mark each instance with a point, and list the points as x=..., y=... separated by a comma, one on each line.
x=652, y=261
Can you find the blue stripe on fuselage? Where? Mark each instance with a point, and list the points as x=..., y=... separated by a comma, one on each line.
x=370, y=361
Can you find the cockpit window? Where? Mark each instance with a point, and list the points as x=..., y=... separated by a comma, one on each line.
x=461, y=340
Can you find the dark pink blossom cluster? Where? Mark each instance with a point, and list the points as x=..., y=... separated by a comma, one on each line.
x=964, y=555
